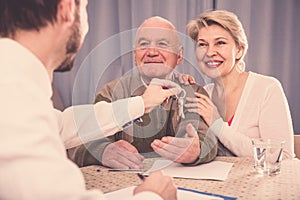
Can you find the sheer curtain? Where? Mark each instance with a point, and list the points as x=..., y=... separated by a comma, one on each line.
x=272, y=28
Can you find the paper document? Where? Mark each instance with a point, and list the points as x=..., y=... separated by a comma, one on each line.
x=127, y=193
x=215, y=170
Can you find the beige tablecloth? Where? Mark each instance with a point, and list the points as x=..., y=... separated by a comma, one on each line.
x=242, y=182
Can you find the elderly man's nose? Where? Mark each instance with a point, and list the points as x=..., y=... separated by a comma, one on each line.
x=152, y=51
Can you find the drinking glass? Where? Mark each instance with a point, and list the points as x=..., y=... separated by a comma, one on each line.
x=267, y=155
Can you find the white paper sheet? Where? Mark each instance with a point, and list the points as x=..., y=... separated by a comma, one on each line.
x=127, y=193
x=215, y=170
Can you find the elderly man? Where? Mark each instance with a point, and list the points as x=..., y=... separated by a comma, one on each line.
x=163, y=131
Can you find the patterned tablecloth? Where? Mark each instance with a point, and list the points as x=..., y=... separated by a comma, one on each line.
x=242, y=182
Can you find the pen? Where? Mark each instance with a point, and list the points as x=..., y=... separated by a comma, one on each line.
x=141, y=176
x=118, y=170
x=123, y=170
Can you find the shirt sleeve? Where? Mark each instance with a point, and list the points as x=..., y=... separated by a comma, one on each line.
x=81, y=124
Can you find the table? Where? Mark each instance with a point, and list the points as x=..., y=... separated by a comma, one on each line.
x=242, y=182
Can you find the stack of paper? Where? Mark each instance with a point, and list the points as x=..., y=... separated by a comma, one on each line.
x=215, y=170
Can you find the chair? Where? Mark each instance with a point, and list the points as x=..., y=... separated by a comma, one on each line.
x=297, y=145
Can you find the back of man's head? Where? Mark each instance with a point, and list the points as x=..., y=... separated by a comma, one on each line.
x=26, y=15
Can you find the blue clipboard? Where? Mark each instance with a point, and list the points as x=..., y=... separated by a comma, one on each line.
x=210, y=194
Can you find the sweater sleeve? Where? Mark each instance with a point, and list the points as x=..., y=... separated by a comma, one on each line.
x=207, y=140
x=275, y=118
x=265, y=117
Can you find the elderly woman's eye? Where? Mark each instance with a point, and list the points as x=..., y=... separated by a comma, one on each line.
x=221, y=42
x=201, y=44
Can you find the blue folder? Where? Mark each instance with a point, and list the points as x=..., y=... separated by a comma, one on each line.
x=210, y=194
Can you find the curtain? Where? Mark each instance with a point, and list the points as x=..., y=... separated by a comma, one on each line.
x=271, y=26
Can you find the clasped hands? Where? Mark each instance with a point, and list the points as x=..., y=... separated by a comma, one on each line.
x=123, y=155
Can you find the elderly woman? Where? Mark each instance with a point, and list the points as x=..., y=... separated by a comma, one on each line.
x=242, y=105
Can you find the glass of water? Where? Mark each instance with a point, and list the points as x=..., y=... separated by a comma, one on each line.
x=267, y=155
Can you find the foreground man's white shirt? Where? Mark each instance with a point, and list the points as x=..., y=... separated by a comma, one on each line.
x=33, y=162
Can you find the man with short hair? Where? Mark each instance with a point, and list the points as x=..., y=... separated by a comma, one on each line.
x=38, y=37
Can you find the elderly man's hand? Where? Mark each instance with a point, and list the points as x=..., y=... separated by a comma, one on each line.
x=185, y=79
x=122, y=155
x=181, y=150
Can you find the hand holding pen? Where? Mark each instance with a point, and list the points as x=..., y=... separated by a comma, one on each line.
x=158, y=183
x=141, y=176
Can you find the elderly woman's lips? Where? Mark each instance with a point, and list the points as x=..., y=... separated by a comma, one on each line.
x=213, y=64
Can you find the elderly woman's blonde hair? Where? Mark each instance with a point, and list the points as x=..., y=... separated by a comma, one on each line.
x=227, y=20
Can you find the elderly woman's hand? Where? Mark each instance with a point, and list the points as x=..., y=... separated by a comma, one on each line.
x=202, y=105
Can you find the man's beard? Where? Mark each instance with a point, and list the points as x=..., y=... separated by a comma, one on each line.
x=72, y=47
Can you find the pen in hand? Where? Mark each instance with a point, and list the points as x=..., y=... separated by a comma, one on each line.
x=141, y=176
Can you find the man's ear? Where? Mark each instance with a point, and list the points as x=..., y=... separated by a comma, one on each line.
x=180, y=55
x=66, y=11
